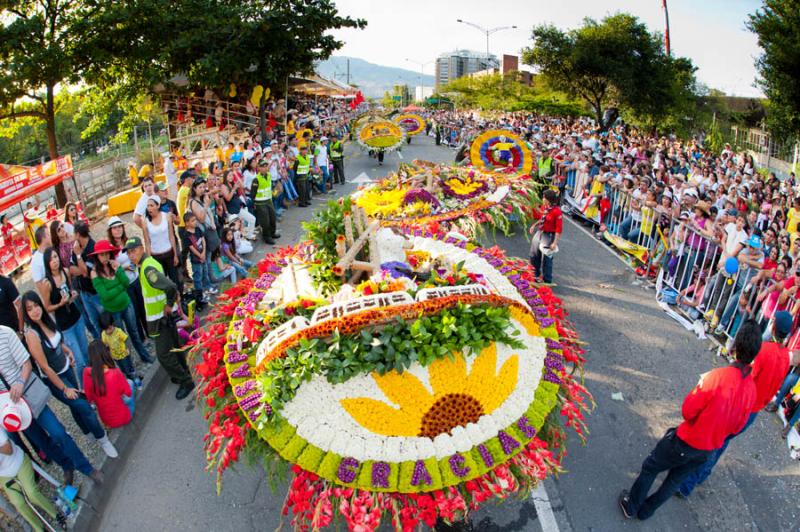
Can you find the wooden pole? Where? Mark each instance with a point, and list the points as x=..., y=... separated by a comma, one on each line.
x=347, y=260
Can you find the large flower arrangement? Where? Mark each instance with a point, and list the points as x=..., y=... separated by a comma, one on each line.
x=427, y=195
x=435, y=385
x=501, y=150
x=413, y=124
x=380, y=134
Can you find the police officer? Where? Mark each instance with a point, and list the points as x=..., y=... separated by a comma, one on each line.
x=337, y=158
x=261, y=193
x=302, y=167
x=160, y=295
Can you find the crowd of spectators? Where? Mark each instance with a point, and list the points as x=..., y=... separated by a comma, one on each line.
x=719, y=233
x=199, y=230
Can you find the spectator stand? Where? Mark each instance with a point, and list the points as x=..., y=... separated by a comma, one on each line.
x=18, y=184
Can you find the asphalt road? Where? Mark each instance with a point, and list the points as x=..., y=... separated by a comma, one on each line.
x=633, y=348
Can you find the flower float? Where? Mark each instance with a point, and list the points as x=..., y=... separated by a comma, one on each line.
x=501, y=150
x=440, y=381
x=377, y=133
x=464, y=199
x=412, y=124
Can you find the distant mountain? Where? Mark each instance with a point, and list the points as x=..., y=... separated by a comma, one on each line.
x=372, y=79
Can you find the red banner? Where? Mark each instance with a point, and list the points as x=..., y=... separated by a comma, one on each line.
x=21, y=182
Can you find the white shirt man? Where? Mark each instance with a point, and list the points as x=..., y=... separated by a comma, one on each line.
x=321, y=154
x=171, y=175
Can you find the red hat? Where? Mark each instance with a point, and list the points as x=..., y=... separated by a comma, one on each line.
x=104, y=246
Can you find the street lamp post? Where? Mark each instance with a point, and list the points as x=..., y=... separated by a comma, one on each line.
x=486, y=31
x=421, y=73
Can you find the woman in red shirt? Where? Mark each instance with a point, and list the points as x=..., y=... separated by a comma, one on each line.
x=106, y=386
x=546, y=231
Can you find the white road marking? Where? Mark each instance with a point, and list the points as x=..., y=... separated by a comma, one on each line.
x=544, y=511
x=361, y=178
x=399, y=154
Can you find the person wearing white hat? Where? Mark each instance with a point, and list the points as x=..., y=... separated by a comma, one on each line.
x=45, y=431
x=321, y=163
x=19, y=483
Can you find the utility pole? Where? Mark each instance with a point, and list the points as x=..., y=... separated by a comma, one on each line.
x=487, y=32
x=348, y=71
x=421, y=74
x=666, y=23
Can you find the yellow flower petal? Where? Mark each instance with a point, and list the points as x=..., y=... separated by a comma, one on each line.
x=503, y=385
x=448, y=375
x=406, y=391
x=526, y=320
x=380, y=418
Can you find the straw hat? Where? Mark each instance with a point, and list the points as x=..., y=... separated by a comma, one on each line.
x=703, y=206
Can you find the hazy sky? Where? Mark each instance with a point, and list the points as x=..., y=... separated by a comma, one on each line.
x=710, y=32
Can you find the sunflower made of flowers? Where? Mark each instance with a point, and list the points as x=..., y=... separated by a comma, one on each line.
x=430, y=380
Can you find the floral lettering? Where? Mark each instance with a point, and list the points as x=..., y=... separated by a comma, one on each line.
x=524, y=425
x=457, y=466
x=507, y=442
x=421, y=475
x=347, y=470
x=486, y=455
x=380, y=475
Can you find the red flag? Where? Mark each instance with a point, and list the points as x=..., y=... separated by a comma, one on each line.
x=357, y=100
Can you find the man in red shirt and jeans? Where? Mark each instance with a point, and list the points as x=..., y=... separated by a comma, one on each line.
x=546, y=231
x=769, y=368
x=717, y=407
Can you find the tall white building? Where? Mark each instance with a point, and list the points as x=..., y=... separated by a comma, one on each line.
x=453, y=65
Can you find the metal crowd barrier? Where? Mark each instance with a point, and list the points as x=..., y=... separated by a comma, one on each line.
x=639, y=230
x=681, y=259
x=728, y=299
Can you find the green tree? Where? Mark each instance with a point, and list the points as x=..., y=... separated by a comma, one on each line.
x=777, y=25
x=509, y=93
x=614, y=62
x=211, y=42
x=40, y=51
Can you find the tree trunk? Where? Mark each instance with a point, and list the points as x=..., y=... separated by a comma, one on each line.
x=598, y=114
x=262, y=115
x=52, y=143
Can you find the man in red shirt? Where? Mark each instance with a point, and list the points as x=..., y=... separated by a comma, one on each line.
x=547, y=231
x=769, y=368
x=717, y=407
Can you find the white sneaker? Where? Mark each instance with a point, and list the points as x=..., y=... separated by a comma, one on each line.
x=212, y=290
x=108, y=447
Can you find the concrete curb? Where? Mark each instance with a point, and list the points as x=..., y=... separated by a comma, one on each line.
x=95, y=497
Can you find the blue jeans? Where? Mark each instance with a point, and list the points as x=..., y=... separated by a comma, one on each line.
x=670, y=454
x=128, y=317
x=75, y=338
x=125, y=365
x=326, y=176
x=229, y=274
x=788, y=383
x=207, y=278
x=93, y=309
x=699, y=475
x=289, y=190
x=542, y=264
x=81, y=411
x=625, y=226
x=241, y=271
x=200, y=276
x=130, y=402
x=48, y=434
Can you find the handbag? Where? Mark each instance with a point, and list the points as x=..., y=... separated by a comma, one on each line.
x=35, y=392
